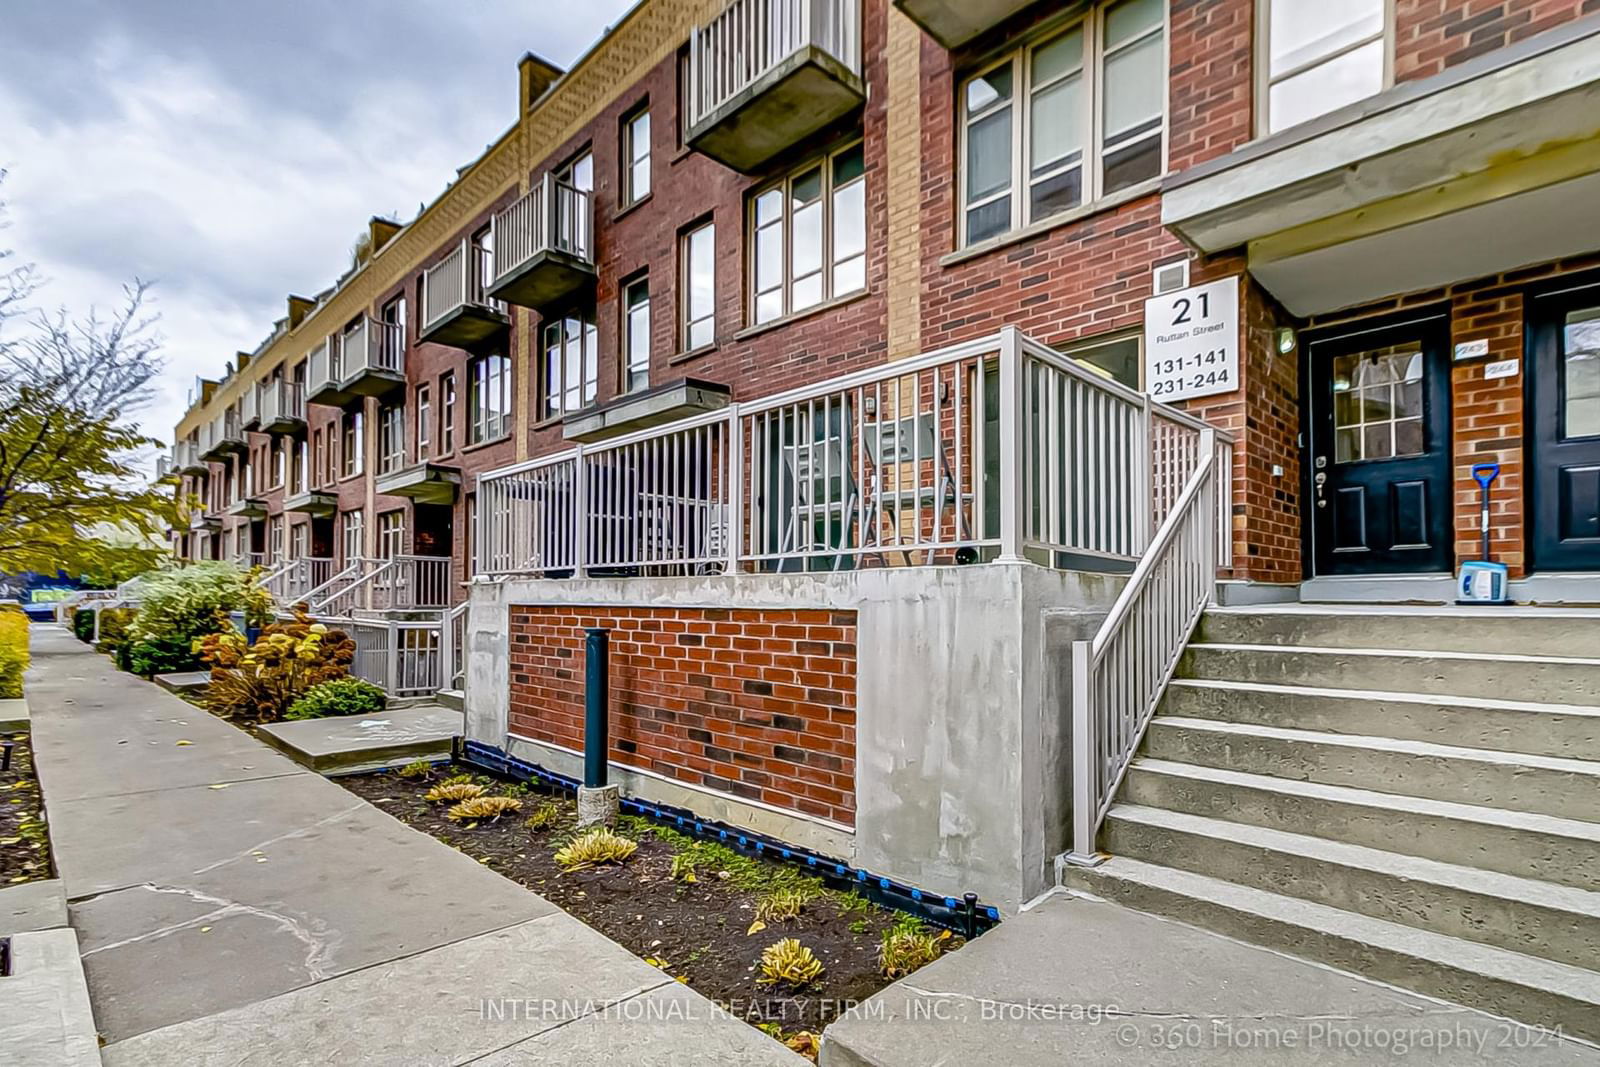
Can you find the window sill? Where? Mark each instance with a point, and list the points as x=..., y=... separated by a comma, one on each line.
x=352, y=477
x=692, y=354
x=796, y=316
x=490, y=443
x=628, y=209
x=1032, y=230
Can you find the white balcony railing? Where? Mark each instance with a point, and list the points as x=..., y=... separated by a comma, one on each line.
x=403, y=583
x=291, y=581
x=552, y=216
x=372, y=345
x=749, y=38
x=283, y=402
x=324, y=370
x=403, y=657
x=998, y=447
x=186, y=456
x=458, y=280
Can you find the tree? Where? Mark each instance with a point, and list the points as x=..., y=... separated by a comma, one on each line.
x=71, y=498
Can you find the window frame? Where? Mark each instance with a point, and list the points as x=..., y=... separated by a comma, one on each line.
x=490, y=429
x=352, y=444
x=391, y=528
x=353, y=521
x=447, y=413
x=1078, y=348
x=391, y=438
x=686, y=319
x=1019, y=54
x=423, y=402
x=1261, y=63
x=588, y=329
x=629, y=158
x=627, y=335
x=785, y=183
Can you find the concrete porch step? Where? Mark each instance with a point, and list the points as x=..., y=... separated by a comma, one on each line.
x=1550, y=679
x=1516, y=630
x=349, y=743
x=1543, y=919
x=1564, y=851
x=1562, y=730
x=1523, y=987
x=1546, y=785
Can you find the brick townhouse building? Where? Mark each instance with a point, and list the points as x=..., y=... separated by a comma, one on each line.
x=851, y=360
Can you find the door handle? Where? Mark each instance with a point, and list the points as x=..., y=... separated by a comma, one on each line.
x=1320, y=479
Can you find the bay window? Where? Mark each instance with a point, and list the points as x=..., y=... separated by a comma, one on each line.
x=808, y=235
x=1067, y=119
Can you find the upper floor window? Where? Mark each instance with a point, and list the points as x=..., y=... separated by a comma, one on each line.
x=391, y=438
x=636, y=157
x=391, y=534
x=1320, y=57
x=447, y=417
x=1065, y=120
x=488, y=398
x=636, y=334
x=808, y=235
x=354, y=535
x=697, y=287
x=424, y=423
x=570, y=369
x=354, y=444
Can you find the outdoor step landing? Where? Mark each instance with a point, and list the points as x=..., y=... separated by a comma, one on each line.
x=349, y=743
x=184, y=681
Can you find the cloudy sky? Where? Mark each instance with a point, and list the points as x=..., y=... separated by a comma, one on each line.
x=232, y=152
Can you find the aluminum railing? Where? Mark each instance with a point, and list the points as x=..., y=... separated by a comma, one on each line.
x=324, y=364
x=292, y=581
x=249, y=406
x=1119, y=676
x=453, y=649
x=998, y=447
x=751, y=37
x=460, y=278
x=372, y=345
x=404, y=657
x=552, y=216
x=404, y=583
x=282, y=401
x=185, y=454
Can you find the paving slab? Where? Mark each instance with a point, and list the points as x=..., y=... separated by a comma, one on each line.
x=184, y=681
x=38, y=905
x=521, y=988
x=13, y=715
x=1086, y=981
x=45, y=1016
x=227, y=917
x=349, y=743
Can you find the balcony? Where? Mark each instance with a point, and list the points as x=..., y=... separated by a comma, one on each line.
x=249, y=507
x=426, y=483
x=544, y=246
x=283, y=407
x=955, y=22
x=366, y=360
x=186, y=459
x=1470, y=173
x=312, y=502
x=766, y=75
x=222, y=436
x=457, y=309
x=250, y=408
x=203, y=521
x=165, y=468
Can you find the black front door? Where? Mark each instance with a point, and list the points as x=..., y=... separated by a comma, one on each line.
x=1564, y=405
x=1379, y=450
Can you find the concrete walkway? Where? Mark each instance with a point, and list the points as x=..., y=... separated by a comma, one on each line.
x=235, y=908
x=1082, y=981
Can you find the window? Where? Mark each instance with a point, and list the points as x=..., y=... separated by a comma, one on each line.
x=391, y=534
x=488, y=398
x=1065, y=120
x=354, y=535
x=809, y=234
x=697, y=282
x=275, y=542
x=574, y=220
x=300, y=540
x=392, y=339
x=302, y=467
x=1119, y=358
x=391, y=438
x=1320, y=57
x=1377, y=404
x=424, y=423
x=636, y=334
x=354, y=443
x=280, y=463
x=636, y=157
x=319, y=459
x=447, y=423
x=570, y=372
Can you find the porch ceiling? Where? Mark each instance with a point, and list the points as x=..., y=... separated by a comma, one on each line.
x=1478, y=170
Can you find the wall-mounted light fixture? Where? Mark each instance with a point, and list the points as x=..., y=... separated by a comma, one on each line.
x=1286, y=340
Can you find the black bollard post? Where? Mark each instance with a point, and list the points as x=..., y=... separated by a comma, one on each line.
x=970, y=914
x=596, y=704
x=5, y=755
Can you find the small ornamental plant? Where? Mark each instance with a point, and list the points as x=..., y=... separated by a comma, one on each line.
x=453, y=792
x=907, y=946
x=341, y=696
x=594, y=847
x=477, y=809
x=789, y=963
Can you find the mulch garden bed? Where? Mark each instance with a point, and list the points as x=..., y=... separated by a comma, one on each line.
x=683, y=904
x=24, y=845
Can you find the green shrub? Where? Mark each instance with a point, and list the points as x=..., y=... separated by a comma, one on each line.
x=345, y=696
x=83, y=625
x=13, y=650
x=114, y=639
x=261, y=682
x=178, y=607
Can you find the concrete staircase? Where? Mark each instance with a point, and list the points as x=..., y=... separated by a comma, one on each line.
x=1409, y=794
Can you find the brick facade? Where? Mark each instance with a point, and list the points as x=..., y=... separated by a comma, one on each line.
x=1433, y=35
x=757, y=704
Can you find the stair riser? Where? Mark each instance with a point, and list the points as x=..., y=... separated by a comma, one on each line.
x=1566, y=937
x=1567, y=861
x=1534, y=733
x=1522, y=635
x=1525, y=1004
x=1555, y=683
x=1537, y=790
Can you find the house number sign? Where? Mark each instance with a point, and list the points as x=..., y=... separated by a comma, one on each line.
x=1191, y=341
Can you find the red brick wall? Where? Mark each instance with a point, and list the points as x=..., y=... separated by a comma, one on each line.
x=759, y=704
x=1210, y=99
x=1433, y=35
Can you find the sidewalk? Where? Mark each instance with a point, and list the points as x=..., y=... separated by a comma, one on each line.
x=235, y=908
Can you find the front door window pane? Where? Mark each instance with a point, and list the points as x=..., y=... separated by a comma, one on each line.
x=1377, y=404
x=1580, y=374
